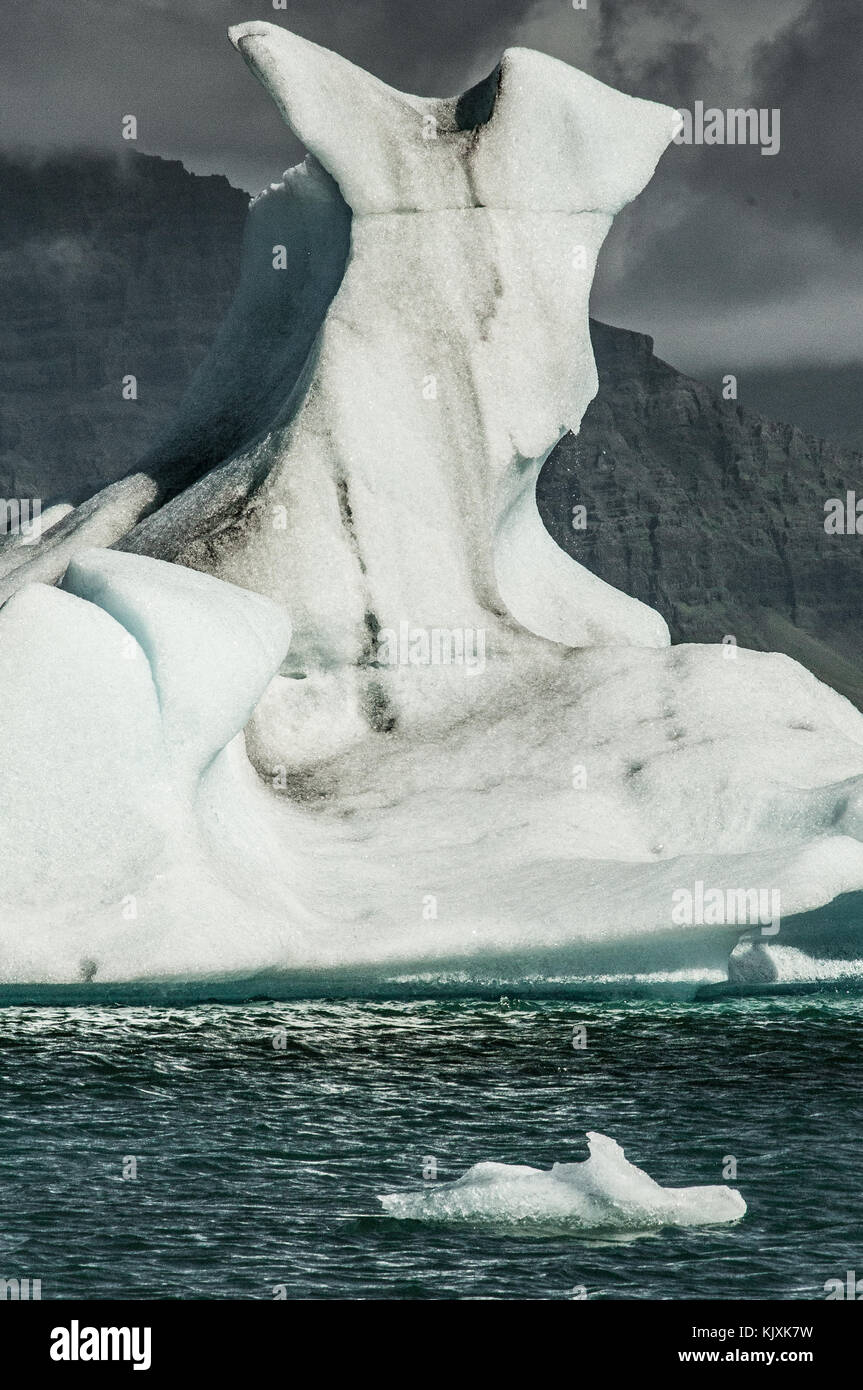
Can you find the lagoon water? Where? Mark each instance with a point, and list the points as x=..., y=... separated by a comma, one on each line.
x=259, y=1165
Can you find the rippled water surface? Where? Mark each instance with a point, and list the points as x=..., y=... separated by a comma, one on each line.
x=263, y=1134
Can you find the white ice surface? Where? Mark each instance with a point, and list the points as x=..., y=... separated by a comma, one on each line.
x=603, y=1194
x=197, y=636
x=394, y=475
x=465, y=854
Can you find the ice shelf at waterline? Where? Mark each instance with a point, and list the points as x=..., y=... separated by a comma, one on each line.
x=215, y=769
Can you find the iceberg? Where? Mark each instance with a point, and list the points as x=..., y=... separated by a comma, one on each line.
x=605, y=1194
x=248, y=743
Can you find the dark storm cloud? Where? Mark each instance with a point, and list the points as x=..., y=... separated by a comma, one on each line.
x=808, y=72
x=813, y=72
x=732, y=256
x=660, y=53
x=68, y=73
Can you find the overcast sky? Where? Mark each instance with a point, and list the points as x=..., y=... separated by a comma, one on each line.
x=732, y=260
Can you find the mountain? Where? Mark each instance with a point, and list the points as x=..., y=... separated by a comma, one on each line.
x=710, y=513
x=699, y=507
x=108, y=267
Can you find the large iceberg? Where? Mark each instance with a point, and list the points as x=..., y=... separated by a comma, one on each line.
x=316, y=703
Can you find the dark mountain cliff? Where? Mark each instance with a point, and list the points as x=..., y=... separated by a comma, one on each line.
x=107, y=268
x=710, y=513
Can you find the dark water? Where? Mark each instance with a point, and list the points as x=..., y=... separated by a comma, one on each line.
x=259, y=1166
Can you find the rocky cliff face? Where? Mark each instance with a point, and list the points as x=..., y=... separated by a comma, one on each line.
x=108, y=268
x=710, y=513
x=702, y=509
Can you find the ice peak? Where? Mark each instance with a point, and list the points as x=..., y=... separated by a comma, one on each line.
x=535, y=133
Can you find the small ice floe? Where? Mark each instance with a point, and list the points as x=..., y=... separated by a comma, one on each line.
x=604, y=1193
x=756, y=963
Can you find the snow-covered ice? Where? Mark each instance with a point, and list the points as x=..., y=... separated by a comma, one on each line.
x=605, y=1193
x=140, y=838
